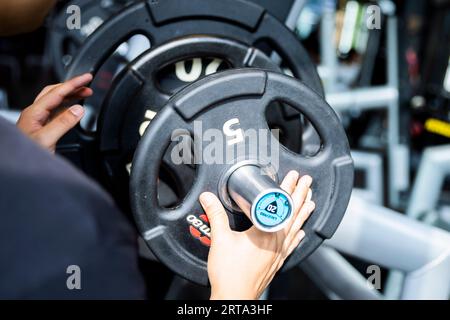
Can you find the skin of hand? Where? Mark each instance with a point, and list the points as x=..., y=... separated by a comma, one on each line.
x=42, y=122
x=242, y=264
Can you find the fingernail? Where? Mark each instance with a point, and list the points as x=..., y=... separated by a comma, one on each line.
x=301, y=234
x=307, y=180
x=309, y=195
x=86, y=77
x=294, y=174
x=77, y=111
x=206, y=198
x=311, y=206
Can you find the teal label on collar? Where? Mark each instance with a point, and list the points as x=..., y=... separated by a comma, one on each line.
x=272, y=209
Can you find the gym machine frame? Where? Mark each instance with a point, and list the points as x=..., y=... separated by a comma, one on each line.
x=434, y=168
x=420, y=251
x=371, y=98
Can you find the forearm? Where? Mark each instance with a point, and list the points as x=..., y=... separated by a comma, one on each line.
x=20, y=16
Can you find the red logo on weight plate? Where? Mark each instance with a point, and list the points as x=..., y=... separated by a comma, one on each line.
x=199, y=228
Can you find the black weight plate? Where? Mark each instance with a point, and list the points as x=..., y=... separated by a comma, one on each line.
x=145, y=85
x=64, y=43
x=161, y=21
x=213, y=101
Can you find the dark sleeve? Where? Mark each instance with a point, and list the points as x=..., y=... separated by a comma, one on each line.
x=52, y=217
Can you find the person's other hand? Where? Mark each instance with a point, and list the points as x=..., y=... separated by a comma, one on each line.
x=242, y=264
x=42, y=122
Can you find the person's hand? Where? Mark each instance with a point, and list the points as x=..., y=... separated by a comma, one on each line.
x=242, y=264
x=43, y=123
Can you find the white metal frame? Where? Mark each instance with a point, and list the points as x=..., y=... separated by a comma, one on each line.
x=394, y=241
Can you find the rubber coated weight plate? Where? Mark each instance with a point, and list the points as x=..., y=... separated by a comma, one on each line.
x=145, y=85
x=64, y=43
x=161, y=21
x=178, y=235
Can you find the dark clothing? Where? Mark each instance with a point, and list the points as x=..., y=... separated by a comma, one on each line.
x=51, y=217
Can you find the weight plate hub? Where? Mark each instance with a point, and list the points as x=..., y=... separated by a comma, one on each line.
x=178, y=235
x=146, y=84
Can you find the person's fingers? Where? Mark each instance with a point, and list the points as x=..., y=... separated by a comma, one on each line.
x=81, y=93
x=290, y=181
x=60, y=125
x=305, y=212
x=218, y=219
x=309, y=195
x=299, y=236
x=56, y=96
x=301, y=191
x=299, y=196
x=45, y=91
x=297, y=223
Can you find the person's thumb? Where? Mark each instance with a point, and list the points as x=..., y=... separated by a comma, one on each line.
x=61, y=124
x=217, y=216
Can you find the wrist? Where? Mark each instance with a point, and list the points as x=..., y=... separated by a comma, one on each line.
x=217, y=294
